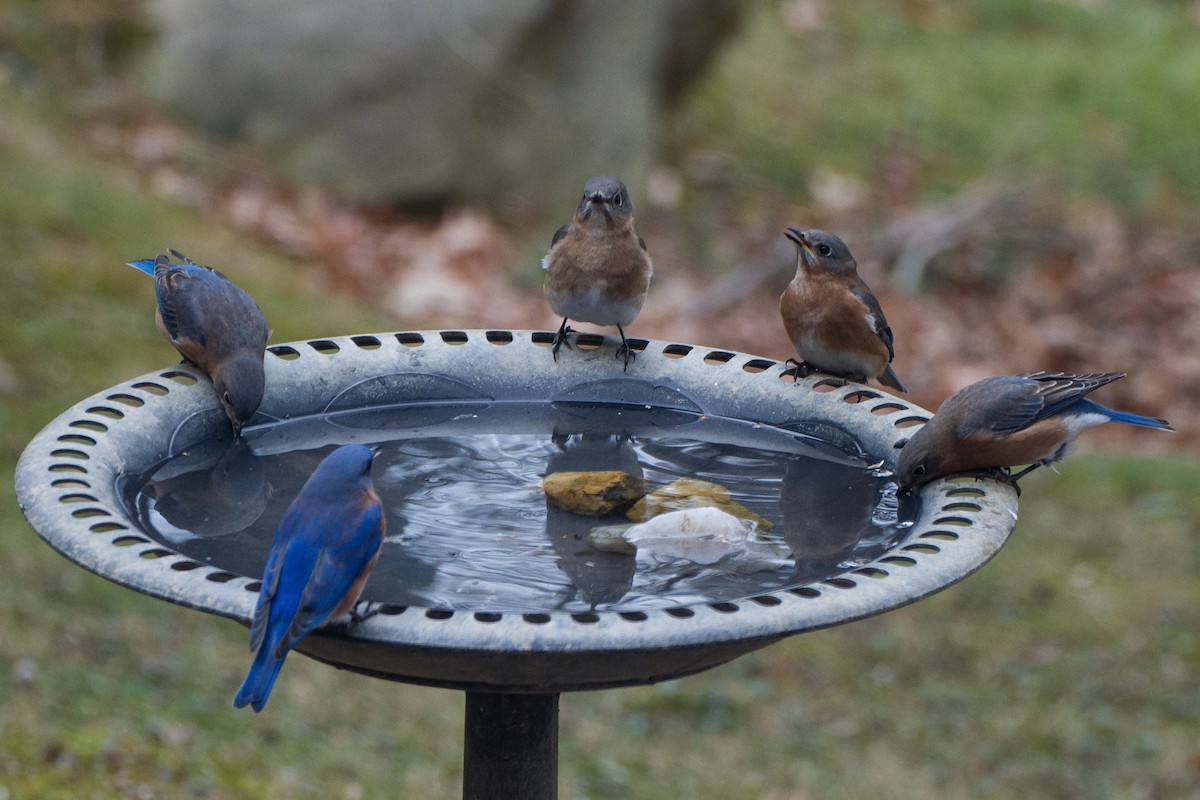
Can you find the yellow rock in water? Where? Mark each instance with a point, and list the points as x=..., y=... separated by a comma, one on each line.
x=593, y=494
x=688, y=493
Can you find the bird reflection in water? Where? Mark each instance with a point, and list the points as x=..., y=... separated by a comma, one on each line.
x=599, y=578
x=824, y=512
x=216, y=488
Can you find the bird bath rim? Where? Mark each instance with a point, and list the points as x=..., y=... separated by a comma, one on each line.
x=68, y=486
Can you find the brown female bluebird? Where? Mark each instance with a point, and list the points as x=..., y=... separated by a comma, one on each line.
x=1009, y=420
x=832, y=318
x=597, y=269
x=323, y=552
x=214, y=325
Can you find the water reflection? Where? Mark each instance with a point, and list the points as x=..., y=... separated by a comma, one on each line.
x=469, y=526
x=213, y=489
x=823, y=514
x=599, y=578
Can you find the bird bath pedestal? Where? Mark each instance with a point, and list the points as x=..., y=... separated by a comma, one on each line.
x=82, y=485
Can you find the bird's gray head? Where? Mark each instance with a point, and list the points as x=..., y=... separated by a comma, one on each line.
x=821, y=251
x=604, y=198
x=239, y=383
x=349, y=463
x=919, y=461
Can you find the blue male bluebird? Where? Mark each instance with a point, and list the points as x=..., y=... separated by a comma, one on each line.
x=324, y=549
x=214, y=325
x=597, y=269
x=1007, y=420
x=831, y=316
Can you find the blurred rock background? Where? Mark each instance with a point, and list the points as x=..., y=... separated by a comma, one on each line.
x=499, y=104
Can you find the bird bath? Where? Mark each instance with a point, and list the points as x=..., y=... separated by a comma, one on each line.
x=482, y=586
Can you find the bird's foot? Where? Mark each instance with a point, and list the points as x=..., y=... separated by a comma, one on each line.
x=628, y=352
x=625, y=349
x=798, y=369
x=371, y=608
x=1007, y=477
x=1002, y=474
x=561, y=339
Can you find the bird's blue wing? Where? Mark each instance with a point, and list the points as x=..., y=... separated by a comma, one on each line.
x=196, y=302
x=289, y=564
x=270, y=585
x=177, y=301
x=339, y=565
x=1060, y=389
x=997, y=406
x=1016, y=411
x=1011, y=403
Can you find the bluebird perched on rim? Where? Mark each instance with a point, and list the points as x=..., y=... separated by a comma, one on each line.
x=1007, y=420
x=832, y=318
x=597, y=269
x=214, y=325
x=324, y=549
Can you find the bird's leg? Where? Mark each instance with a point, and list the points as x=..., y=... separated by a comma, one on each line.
x=1011, y=480
x=1003, y=474
x=372, y=608
x=799, y=369
x=624, y=349
x=1025, y=471
x=560, y=338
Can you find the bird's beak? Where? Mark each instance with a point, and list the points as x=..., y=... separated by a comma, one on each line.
x=798, y=237
x=593, y=203
x=806, y=256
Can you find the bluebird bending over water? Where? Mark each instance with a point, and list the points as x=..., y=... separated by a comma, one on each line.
x=323, y=551
x=597, y=269
x=832, y=318
x=1009, y=420
x=214, y=325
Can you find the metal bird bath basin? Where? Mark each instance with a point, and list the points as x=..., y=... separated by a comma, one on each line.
x=484, y=588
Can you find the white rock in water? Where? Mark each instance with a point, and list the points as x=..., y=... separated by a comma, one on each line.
x=703, y=536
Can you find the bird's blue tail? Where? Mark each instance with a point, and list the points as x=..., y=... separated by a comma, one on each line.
x=260, y=679
x=146, y=265
x=1125, y=416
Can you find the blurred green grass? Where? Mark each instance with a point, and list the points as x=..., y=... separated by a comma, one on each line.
x=1066, y=668
x=1099, y=98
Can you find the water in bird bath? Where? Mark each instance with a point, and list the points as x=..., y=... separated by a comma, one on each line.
x=469, y=527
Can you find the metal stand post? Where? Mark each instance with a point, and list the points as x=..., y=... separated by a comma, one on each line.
x=510, y=747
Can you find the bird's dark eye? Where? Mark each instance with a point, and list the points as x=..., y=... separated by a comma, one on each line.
x=618, y=199
x=226, y=399
x=919, y=470
x=825, y=250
